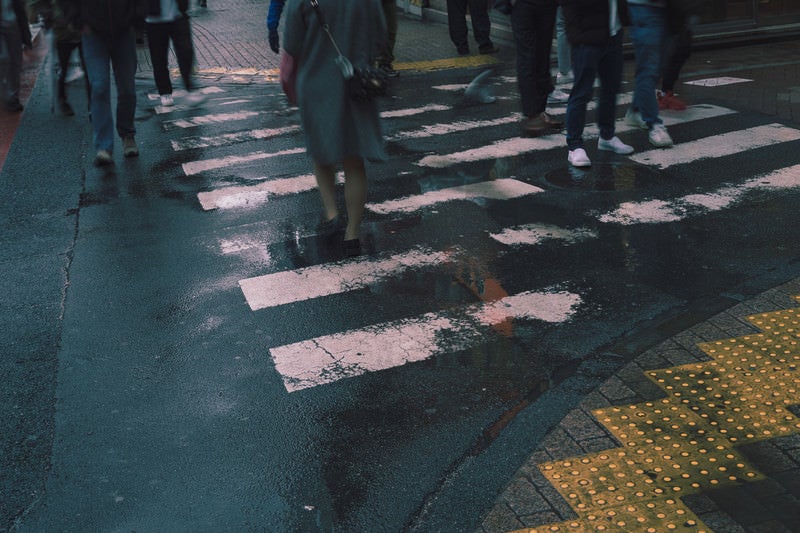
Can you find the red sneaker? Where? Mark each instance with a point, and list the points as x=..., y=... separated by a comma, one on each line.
x=668, y=100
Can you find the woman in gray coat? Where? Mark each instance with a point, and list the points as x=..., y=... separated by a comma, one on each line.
x=338, y=130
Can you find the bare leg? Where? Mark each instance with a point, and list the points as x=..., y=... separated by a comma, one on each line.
x=325, y=175
x=355, y=194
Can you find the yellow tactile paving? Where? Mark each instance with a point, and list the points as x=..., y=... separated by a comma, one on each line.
x=685, y=443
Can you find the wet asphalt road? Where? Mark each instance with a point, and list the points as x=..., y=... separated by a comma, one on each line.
x=144, y=396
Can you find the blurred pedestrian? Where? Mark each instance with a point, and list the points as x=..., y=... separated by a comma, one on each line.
x=481, y=25
x=386, y=56
x=14, y=35
x=563, y=63
x=338, y=130
x=682, y=16
x=67, y=40
x=594, y=29
x=109, y=40
x=532, y=23
x=168, y=20
x=273, y=20
x=648, y=35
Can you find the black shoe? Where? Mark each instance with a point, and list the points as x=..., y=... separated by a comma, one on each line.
x=352, y=247
x=65, y=108
x=329, y=228
x=388, y=70
x=489, y=49
x=463, y=50
x=14, y=106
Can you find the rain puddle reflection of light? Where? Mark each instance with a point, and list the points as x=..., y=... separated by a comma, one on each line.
x=602, y=176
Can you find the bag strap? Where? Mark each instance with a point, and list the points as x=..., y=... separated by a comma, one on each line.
x=324, y=24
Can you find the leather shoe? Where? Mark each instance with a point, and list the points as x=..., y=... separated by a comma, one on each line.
x=539, y=125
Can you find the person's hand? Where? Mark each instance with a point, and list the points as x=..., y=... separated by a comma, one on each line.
x=274, y=41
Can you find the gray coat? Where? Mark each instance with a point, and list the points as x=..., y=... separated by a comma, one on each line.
x=335, y=127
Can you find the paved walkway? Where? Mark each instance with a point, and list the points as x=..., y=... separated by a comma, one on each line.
x=698, y=433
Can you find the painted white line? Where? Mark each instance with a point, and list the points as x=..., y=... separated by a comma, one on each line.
x=258, y=194
x=520, y=145
x=204, y=120
x=531, y=234
x=662, y=211
x=414, y=111
x=191, y=143
x=719, y=145
x=334, y=278
x=452, y=127
x=502, y=189
x=196, y=167
x=716, y=82
x=382, y=346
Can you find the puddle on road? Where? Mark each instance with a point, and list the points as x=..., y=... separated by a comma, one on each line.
x=602, y=176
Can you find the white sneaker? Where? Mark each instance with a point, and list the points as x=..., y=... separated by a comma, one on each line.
x=563, y=79
x=167, y=101
x=659, y=136
x=615, y=145
x=578, y=158
x=634, y=118
x=194, y=98
x=558, y=96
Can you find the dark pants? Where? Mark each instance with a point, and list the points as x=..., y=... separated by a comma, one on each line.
x=457, y=22
x=11, y=63
x=64, y=49
x=532, y=24
x=158, y=38
x=588, y=62
x=386, y=54
x=678, y=51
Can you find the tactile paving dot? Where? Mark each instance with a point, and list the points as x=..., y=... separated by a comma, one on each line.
x=599, y=480
x=656, y=516
x=676, y=448
x=740, y=404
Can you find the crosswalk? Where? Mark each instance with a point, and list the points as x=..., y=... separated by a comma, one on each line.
x=226, y=123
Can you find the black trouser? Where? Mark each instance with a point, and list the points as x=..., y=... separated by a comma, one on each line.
x=158, y=38
x=386, y=54
x=457, y=22
x=532, y=24
x=64, y=50
x=677, y=53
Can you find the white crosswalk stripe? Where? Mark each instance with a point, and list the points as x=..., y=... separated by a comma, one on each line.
x=373, y=347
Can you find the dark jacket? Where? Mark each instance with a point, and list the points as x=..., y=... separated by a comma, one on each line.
x=587, y=20
x=154, y=7
x=21, y=13
x=107, y=18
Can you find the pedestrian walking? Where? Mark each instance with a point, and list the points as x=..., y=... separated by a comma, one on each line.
x=109, y=40
x=682, y=16
x=386, y=55
x=168, y=20
x=595, y=32
x=532, y=23
x=273, y=20
x=481, y=25
x=563, y=62
x=14, y=35
x=67, y=40
x=339, y=131
x=648, y=34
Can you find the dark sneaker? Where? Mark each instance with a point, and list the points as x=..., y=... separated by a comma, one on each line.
x=14, y=106
x=103, y=158
x=489, y=49
x=129, y=148
x=65, y=108
x=388, y=70
x=463, y=50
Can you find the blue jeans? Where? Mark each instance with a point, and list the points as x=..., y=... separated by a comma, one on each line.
x=588, y=62
x=533, y=34
x=648, y=34
x=100, y=54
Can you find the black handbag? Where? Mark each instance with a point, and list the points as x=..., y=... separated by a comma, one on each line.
x=364, y=83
